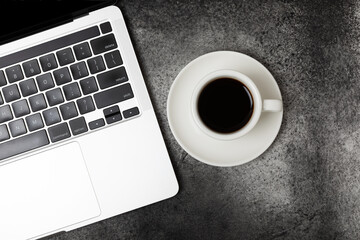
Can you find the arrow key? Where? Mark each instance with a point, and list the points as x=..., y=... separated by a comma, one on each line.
x=96, y=124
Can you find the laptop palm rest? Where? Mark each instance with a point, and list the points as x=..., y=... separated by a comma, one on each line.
x=50, y=190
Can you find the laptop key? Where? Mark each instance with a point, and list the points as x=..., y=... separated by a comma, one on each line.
x=113, y=59
x=28, y=87
x=112, y=114
x=31, y=68
x=5, y=114
x=4, y=133
x=45, y=81
x=48, y=62
x=1, y=100
x=54, y=97
x=37, y=102
x=96, y=64
x=14, y=73
x=11, y=93
x=82, y=51
x=96, y=124
x=20, y=108
x=88, y=85
x=105, y=27
x=111, y=111
x=131, y=112
x=113, y=96
x=103, y=44
x=17, y=128
x=78, y=126
x=85, y=105
x=68, y=110
x=62, y=76
x=2, y=79
x=23, y=144
x=114, y=118
x=79, y=70
x=34, y=122
x=112, y=78
x=65, y=56
x=59, y=132
x=51, y=116
x=72, y=91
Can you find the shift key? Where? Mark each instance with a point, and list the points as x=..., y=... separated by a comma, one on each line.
x=112, y=77
x=113, y=95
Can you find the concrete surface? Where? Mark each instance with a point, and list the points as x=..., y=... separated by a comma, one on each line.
x=307, y=184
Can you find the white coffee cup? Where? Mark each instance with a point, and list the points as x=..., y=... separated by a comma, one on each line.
x=259, y=105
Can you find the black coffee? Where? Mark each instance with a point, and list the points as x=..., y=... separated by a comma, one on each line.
x=225, y=105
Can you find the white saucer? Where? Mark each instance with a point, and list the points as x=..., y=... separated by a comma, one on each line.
x=203, y=147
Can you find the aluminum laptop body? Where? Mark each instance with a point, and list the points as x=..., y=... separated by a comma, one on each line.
x=107, y=160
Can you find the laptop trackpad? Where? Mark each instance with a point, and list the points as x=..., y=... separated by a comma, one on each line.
x=45, y=192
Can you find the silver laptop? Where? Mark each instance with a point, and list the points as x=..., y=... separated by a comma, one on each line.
x=79, y=140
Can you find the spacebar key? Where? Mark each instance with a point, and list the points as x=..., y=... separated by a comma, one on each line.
x=23, y=144
x=113, y=95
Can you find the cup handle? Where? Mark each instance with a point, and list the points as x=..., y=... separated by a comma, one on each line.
x=272, y=105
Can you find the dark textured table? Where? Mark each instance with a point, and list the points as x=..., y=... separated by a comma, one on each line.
x=307, y=184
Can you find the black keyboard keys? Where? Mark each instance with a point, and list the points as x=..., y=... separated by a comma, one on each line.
x=20, y=108
x=11, y=93
x=4, y=133
x=72, y=91
x=85, y=105
x=111, y=111
x=114, y=118
x=31, y=68
x=82, y=51
x=96, y=64
x=79, y=70
x=5, y=114
x=17, y=128
x=23, y=144
x=68, y=110
x=103, y=44
x=68, y=101
x=28, y=87
x=112, y=77
x=88, y=85
x=54, y=97
x=96, y=124
x=48, y=62
x=2, y=79
x=37, y=102
x=45, y=81
x=34, y=122
x=113, y=59
x=65, y=56
x=62, y=76
x=59, y=132
x=113, y=96
x=78, y=126
x=51, y=116
x=131, y=112
x=112, y=114
x=14, y=74
x=105, y=27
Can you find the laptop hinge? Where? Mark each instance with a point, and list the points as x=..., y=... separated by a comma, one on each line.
x=80, y=16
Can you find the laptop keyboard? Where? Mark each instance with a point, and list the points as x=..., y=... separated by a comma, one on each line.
x=62, y=89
